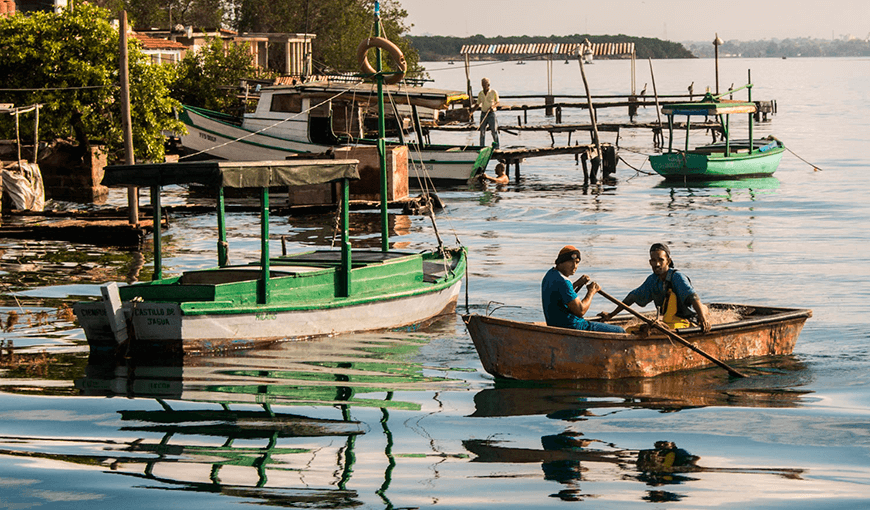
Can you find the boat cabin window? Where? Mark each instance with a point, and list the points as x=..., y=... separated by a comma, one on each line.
x=290, y=103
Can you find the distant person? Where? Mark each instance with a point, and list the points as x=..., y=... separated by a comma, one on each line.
x=500, y=175
x=670, y=290
x=487, y=102
x=563, y=308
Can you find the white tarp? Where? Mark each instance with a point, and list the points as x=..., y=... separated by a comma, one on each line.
x=22, y=182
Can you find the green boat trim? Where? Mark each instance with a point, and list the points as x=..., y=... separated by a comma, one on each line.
x=311, y=289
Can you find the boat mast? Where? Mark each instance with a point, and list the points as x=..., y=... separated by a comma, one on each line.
x=382, y=146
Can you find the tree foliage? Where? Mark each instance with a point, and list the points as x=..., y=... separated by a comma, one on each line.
x=145, y=14
x=209, y=78
x=69, y=63
x=800, y=47
x=339, y=26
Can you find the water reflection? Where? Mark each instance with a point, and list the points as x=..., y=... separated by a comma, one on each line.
x=570, y=457
x=274, y=425
x=666, y=393
x=728, y=190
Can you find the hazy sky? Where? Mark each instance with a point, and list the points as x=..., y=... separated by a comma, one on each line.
x=674, y=20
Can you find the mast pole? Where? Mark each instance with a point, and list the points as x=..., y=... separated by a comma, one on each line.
x=382, y=146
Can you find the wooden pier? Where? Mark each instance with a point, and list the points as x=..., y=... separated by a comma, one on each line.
x=583, y=154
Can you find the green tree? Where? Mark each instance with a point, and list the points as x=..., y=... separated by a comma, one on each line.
x=69, y=63
x=209, y=78
x=146, y=14
x=340, y=26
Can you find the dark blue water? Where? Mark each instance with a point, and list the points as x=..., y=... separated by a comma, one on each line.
x=408, y=419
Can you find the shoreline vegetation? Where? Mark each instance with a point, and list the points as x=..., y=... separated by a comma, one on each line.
x=434, y=48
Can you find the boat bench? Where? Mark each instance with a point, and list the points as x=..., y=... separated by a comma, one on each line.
x=238, y=274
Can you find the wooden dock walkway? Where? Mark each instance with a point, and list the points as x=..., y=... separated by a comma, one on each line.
x=612, y=127
x=582, y=153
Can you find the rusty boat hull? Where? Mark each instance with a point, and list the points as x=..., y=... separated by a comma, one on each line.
x=534, y=352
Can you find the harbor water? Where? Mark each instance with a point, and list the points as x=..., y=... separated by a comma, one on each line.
x=408, y=418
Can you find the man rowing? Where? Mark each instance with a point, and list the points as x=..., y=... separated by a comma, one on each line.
x=676, y=300
x=563, y=307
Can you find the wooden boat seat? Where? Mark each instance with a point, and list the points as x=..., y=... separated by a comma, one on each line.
x=333, y=258
x=238, y=274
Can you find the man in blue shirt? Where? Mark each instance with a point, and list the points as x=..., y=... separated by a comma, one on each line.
x=666, y=281
x=563, y=308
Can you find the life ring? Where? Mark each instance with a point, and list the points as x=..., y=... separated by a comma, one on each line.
x=389, y=47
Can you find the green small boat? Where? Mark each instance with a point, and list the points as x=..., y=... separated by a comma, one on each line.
x=728, y=159
x=276, y=298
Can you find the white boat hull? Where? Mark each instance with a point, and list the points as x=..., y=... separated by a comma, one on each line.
x=235, y=143
x=164, y=322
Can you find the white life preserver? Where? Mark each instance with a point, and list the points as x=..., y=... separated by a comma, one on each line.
x=389, y=47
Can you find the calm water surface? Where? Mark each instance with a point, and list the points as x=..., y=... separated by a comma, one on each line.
x=408, y=419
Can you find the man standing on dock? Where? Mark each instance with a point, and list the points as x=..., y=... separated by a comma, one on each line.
x=487, y=101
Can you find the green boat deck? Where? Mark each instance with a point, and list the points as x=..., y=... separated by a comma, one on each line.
x=310, y=280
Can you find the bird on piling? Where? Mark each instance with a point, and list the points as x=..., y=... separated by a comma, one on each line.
x=691, y=91
x=643, y=93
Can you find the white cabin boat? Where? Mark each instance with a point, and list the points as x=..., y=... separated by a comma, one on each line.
x=312, y=118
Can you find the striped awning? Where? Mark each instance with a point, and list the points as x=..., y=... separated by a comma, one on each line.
x=597, y=49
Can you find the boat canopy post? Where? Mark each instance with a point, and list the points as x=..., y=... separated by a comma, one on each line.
x=751, y=115
x=264, y=244
x=670, y=132
x=344, y=204
x=727, y=135
x=382, y=145
x=158, y=244
x=688, y=126
x=222, y=246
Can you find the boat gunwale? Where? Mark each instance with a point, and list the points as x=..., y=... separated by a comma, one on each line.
x=783, y=315
x=453, y=275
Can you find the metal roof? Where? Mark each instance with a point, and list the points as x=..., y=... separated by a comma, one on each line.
x=597, y=49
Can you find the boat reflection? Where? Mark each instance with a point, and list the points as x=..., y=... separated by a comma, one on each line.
x=231, y=425
x=728, y=190
x=666, y=393
x=570, y=458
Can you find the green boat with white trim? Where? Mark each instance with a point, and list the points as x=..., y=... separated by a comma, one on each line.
x=728, y=159
x=322, y=292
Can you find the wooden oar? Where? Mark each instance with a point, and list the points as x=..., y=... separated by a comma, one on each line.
x=673, y=335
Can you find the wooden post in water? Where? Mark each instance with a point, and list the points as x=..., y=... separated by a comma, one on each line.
x=549, y=100
x=656, y=95
x=132, y=191
x=592, y=118
x=716, y=43
x=468, y=80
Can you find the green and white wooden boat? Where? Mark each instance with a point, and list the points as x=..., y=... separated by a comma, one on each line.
x=314, y=117
x=285, y=297
x=729, y=159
